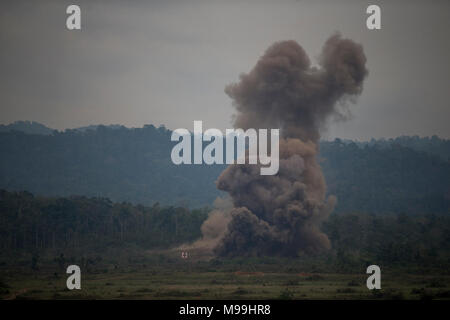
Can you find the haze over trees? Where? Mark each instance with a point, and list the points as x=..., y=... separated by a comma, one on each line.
x=118, y=163
x=405, y=175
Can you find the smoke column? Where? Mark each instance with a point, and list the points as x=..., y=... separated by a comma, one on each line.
x=281, y=214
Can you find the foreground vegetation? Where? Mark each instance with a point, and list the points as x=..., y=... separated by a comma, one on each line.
x=80, y=227
x=130, y=252
x=205, y=281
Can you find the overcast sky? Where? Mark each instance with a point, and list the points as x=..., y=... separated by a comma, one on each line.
x=167, y=62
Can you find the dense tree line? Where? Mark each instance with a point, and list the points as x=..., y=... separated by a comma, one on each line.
x=403, y=175
x=32, y=223
x=35, y=225
x=391, y=240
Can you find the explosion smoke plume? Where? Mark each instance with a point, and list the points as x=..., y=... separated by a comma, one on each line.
x=281, y=214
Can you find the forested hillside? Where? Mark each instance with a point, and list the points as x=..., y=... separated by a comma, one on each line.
x=432, y=145
x=31, y=127
x=403, y=175
x=118, y=163
x=385, y=179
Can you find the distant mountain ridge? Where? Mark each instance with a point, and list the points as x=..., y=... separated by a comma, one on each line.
x=34, y=127
x=432, y=145
x=134, y=165
x=30, y=127
x=95, y=127
x=122, y=164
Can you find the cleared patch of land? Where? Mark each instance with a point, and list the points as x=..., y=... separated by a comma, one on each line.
x=188, y=284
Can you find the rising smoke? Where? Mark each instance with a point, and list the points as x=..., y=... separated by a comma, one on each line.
x=281, y=214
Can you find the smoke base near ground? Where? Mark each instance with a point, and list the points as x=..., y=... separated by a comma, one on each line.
x=282, y=214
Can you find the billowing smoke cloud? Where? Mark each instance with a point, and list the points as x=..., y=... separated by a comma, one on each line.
x=281, y=214
x=213, y=229
x=277, y=214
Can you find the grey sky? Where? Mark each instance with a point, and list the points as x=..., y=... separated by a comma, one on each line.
x=167, y=62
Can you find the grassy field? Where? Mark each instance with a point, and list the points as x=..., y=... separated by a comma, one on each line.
x=141, y=284
x=164, y=275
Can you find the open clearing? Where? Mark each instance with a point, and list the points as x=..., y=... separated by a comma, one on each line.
x=141, y=284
